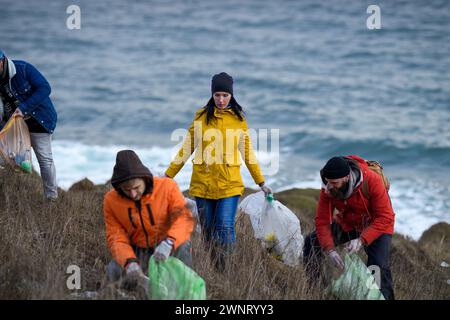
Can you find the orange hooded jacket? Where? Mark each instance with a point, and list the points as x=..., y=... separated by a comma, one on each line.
x=161, y=212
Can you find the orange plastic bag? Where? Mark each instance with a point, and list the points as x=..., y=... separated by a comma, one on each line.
x=15, y=144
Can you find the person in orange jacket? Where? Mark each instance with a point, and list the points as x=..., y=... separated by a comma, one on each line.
x=362, y=220
x=144, y=216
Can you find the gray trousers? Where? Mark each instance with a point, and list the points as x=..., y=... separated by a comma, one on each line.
x=114, y=271
x=41, y=144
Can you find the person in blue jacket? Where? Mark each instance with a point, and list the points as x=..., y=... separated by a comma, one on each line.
x=22, y=86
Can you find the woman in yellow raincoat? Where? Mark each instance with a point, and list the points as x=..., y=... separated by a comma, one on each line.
x=218, y=134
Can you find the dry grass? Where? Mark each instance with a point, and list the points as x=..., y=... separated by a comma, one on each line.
x=40, y=240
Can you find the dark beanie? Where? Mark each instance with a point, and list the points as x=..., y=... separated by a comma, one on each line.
x=222, y=82
x=336, y=167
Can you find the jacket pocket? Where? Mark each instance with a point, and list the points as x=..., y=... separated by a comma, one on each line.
x=200, y=177
x=132, y=227
x=233, y=175
x=130, y=217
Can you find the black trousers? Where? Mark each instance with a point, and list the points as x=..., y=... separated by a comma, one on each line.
x=377, y=252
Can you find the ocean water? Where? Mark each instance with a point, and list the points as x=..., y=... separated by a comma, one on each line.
x=135, y=72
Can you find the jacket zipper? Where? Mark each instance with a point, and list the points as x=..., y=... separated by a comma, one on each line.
x=138, y=206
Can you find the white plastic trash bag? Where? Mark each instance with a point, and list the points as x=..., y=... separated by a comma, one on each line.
x=192, y=206
x=276, y=225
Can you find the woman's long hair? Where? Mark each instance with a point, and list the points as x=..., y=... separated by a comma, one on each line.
x=209, y=109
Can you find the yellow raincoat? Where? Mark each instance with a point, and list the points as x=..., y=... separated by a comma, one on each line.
x=216, y=163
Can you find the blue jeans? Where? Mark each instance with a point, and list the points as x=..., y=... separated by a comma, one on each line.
x=217, y=219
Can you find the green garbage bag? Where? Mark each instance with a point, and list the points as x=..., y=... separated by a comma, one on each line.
x=173, y=280
x=356, y=282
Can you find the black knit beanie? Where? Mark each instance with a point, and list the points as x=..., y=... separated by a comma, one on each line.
x=335, y=168
x=222, y=82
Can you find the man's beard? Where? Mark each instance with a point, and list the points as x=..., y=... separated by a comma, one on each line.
x=339, y=193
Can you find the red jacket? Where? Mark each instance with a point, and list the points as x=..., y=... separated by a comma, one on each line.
x=372, y=217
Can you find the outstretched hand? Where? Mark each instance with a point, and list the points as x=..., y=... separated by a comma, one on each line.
x=266, y=189
x=162, y=251
x=354, y=245
x=336, y=259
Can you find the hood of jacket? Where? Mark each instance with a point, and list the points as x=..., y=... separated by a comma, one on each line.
x=12, y=73
x=129, y=166
x=11, y=68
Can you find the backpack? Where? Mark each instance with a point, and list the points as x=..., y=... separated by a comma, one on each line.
x=376, y=167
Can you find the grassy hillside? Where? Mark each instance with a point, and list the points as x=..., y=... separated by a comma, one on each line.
x=39, y=240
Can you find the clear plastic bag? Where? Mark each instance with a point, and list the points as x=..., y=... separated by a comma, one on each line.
x=15, y=144
x=276, y=226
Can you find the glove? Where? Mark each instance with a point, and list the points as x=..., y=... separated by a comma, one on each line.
x=135, y=278
x=336, y=259
x=192, y=205
x=354, y=245
x=134, y=268
x=265, y=188
x=162, y=251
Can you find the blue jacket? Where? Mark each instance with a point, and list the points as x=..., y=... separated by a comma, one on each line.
x=33, y=92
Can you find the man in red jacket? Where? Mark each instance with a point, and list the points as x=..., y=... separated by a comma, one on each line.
x=362, y=220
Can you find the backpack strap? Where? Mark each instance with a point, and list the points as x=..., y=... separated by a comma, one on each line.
x=365, y=189
x=364, y=201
